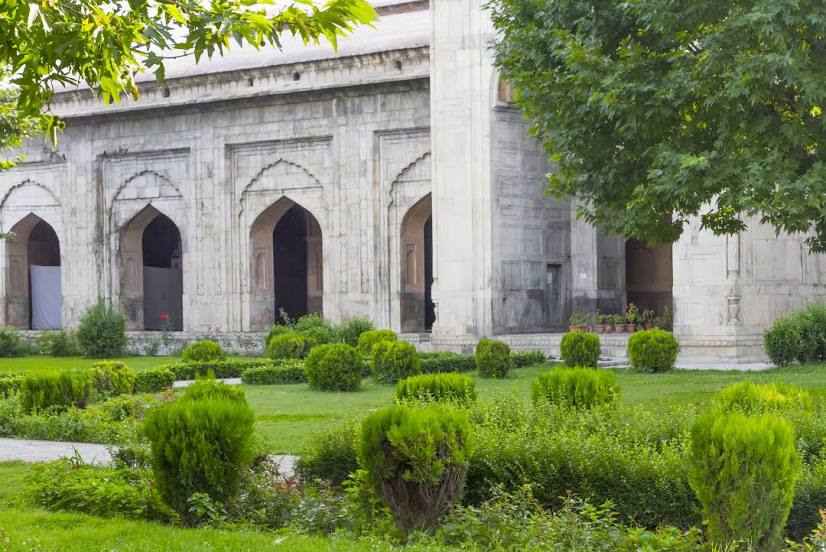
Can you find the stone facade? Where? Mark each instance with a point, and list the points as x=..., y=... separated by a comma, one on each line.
x=393, y=180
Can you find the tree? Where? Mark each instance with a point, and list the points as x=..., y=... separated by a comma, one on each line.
x=656, y=111
x=105, y=44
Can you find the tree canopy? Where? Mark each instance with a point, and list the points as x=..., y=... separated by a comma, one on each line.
x=106, y=43
x=656, y=111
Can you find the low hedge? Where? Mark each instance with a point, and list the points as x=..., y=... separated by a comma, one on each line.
x=449, y=388
x=230, y=368
x=286, y=372
x=576, y=387
x=435, y=363
x=522, y=359
x=154, y=380
x=55, y=389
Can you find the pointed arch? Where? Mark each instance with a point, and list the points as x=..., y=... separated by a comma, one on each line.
x=281, y=174
x=286, y=264
x=33, y=278
x=151, y=266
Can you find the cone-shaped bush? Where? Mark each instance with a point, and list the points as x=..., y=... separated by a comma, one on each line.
x=744, y=470
x=752, y=398
x=417, y=460
x=576, y=387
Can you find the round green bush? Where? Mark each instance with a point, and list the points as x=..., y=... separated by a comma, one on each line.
x=203, y=350
x=752, y=398
x=334, y=367
x=287, y=345
x=369, y=338
x=278, y=329
x=493, y=358
x=153, y=380
x=576, y=387
x=783, y=341
x=744, y=470
x=394, y=360
x=111, y=378
x=416, y=458
x=580, y=349
x=10, y=343
x=200, y=446
x=652, y=351
x=315, y=330
x=351, y=330
x=102, y=332
x=448, y=388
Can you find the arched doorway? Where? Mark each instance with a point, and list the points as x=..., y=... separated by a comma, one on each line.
x=34, y=290
x=152, y=283
x=648, y=276
x=417, y=309
x=287, y=264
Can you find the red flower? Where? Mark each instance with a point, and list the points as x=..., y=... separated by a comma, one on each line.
x=164, y=316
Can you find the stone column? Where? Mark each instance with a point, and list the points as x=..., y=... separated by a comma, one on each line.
x=597, y=269
x=460, y=87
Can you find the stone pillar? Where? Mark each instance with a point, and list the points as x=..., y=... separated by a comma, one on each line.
x=597, y=269
x=460, y=90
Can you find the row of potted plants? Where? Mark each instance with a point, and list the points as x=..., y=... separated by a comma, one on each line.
x=629, y=321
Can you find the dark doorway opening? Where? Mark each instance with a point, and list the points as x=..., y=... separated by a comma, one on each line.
x=162, y=275
x=290, y=262
x=43, y=250
x=648, y=276
x=430, y=308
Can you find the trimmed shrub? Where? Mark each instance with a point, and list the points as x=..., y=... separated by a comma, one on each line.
x=521, y=359
x=416, y=458
x=449, y=388
x=153, y=380
x=231, y=368
x=200, y=446
x=744, y=470
x=394, y=360
x=10, y=384
x=64, y=485
x=652, y=351
x=59, y=389
x=58, y=343
x=751, y=398
x=334, y=367
x=812, y=322
x=783, y=341
x=278, y=329
x=329, y=456
x=286, y=372
x=351, y=329
x=102, y=332
x=493, y=358
x=206, y=389
x=580, y=349
x=576, y=388
x=111, y=378
x=10, y=343
x=369, y=338
x=435, y=363
x=203, y=350
x=288, y=345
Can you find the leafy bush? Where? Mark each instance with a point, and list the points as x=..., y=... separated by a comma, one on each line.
x=351, y=330
x=434, y=363
x=329, y=455
x=200, y=446
x=58, y=389
x=751, y=398
x=111, y=378
x=288, y=345
x=315, y=329
x=369, y=338
x=65, y=485
x=278, y=329
x=449, y=388
x=153, y=380
x=521, y=359
x=576, y=387
x=266, y=498
x=206, y=349
x=580, y=349
x=416, y=458
x=102, y=332
x=394, y=360
x=212, y=389
x=652, y=351
x=812, y=322
x=10, y=343
x=493, y=358
x=10, y=384
x=231, y=368
x=744, y=470
x=58, y=343
x=783, y=341
x=333, y=367
x=287, y=372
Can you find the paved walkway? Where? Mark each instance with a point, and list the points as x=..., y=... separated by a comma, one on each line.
x=186, y=383
x=44, y=451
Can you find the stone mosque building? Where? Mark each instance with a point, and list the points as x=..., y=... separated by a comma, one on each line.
x=393, y=179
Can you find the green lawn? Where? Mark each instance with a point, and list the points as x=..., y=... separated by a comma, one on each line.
x=36, y=363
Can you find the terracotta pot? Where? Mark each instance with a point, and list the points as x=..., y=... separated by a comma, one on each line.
x=631, y=328
x=619, y=328
x=599, y=328
x=648, y=325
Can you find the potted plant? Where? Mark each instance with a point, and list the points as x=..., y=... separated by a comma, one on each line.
x=575, y=322
x=599, y=323
x=631, y=318
x=647, y=319
x=667, y=318
x=619, y=323
x=658, y=322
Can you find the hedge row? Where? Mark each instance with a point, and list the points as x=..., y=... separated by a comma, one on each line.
x=286, y=372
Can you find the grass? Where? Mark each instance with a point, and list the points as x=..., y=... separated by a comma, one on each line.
x=40, y=363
